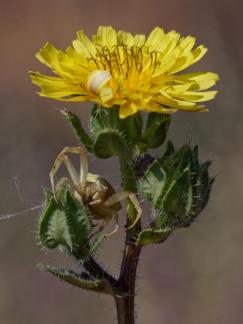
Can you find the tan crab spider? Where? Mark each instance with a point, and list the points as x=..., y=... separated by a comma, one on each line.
x=92, y=190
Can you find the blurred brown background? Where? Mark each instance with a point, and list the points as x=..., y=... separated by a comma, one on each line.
x=196, y=277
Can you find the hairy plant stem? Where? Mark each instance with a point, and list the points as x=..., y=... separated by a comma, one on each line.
x=127, y=279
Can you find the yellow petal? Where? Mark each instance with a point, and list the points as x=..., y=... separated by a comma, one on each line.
x=139, y=40
x=178, y=88
x=84, y=43
x=198, y=80
x=54, y=59
x=155, y=107
x=167, y=100
x=80, y=48
x=49, y=56
x=127, y=109
x=186, y=44
x=195, y=96
x=106, y=36
x=198, y=53
x=67, y=98
x=125, y=38
x=55, y=87
x=106, y=94
x=155, y=39
x=188, y=59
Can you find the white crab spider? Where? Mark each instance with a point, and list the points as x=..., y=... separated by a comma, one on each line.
x=94, y=192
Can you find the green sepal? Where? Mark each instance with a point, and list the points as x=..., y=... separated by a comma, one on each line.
x=169, y=151
x=102, y=119
x=132, y=127
x=175, y=197
x=204, y=183
x=153, y=236
x=74, y=279
x=76, y=124
x=153, y=181
x=111, y=142
x=176, y=202
x=202, y=186
x=155, y=132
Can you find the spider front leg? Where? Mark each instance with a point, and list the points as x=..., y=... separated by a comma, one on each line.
x=107, y=220
x=105, y=214
x=63, y=158
x=119, y=196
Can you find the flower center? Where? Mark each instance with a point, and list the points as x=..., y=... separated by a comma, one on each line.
x=121, y=58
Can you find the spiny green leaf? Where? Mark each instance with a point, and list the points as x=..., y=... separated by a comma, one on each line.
x=203, y=184
x=96, y=243
x=75, y=279
x=65, y=223
x=153, y=181
x=194, y=160
x=78, y=221
x=176, y=203
x=47, y=196
x=62, y=186
x=175, y=197
x=50, y=212
x=153, y=236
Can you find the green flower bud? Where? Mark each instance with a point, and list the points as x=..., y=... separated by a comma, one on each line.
x=178, y=186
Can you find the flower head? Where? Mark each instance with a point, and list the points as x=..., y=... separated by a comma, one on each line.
x=132, y=72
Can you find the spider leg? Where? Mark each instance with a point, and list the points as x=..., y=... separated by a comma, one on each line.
x=116, y=226
x=119, y=196
x=107, y=220
x=83, y=160
x=106, y=217
x=95, y=202
x=92, y=177
x=62, y=158
x=136, y=204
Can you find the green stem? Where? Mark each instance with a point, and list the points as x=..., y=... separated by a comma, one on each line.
x=127, y=278
x=121, y=309
x=127, y=282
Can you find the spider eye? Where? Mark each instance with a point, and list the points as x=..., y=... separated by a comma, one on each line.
x=97, y=80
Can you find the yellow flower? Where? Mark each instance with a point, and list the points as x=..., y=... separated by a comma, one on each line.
x=132, y=72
